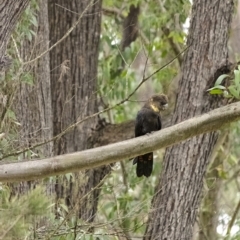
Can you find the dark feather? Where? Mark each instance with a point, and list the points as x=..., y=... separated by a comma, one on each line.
x=144, y=164
x=148, y=121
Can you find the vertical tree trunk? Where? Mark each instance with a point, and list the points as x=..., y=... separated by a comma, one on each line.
x=73, y=70
x=33, y=105
x=9, y=16
x=74, y=85
x=33, y=102
x=208, y=217
x=209, y=211
x=235, y=35
x=177, y=196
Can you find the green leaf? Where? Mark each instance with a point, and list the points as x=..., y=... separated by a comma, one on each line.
x=219, y=87
x=27, y=78
x=226, y=94
x=216, y=91
x=33, y=33
x=29, y=36
x=233, y=91
x=221, y=173
x=237, y=77
x=216, y=87
x=68, y=176
x=11, y=114
x=34, y=21
x=64, y=207
x=220, y=79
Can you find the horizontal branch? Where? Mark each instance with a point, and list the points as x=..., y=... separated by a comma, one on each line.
x=29, y=170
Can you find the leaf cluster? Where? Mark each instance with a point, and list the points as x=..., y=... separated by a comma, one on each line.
x=232, y=91
x=119, y=70
x=18, y=213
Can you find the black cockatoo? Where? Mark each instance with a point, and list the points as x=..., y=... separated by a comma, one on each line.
x=148, y=120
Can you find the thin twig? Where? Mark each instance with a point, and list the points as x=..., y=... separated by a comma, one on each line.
x=72, y=211
x=16, y=48
x=175, y=47
x=116, y=12
x=65, y=36
x=10, y=227
x=230, y=225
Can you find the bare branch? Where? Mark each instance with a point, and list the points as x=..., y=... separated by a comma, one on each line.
x=116, y=12
x=29, y=170
x=232, y=220
x=175, y=47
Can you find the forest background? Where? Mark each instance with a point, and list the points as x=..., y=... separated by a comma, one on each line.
x=73, y=76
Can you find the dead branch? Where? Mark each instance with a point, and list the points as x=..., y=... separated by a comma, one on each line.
x=29, y=170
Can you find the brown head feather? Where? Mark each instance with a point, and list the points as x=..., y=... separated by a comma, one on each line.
x=158, y=102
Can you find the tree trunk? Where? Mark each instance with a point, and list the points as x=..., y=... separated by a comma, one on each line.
x=209, y=211
x=33, y=105
x=9, y=16
x=74, y=84
x=208, y=217
x=33, y=101
x=178, y=193
x=235, y=35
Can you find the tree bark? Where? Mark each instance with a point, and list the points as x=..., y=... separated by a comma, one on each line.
x=33, y=101
x=177, y=195
x=74, y=84
x=73, y=70
x=10, y=11
x=235, y=35
x=209, y=210
x=9, y=16
x=32, y=104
